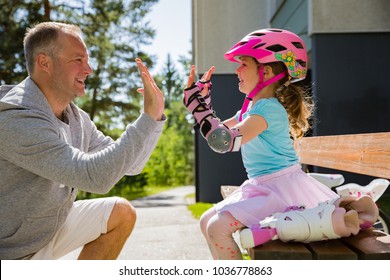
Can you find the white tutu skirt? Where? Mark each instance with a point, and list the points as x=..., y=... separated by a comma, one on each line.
x=259, y=197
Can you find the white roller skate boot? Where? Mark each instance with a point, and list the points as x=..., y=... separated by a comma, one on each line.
x=329, y=220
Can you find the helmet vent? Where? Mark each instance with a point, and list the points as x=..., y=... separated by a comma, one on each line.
x=242, y=43
x=301, y=62
x=276, y=48
x=276, y=30
x=258, y=45
x=257, y=34
x=298, y=45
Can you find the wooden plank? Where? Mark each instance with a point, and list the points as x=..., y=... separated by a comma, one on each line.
x=278, y=250
x=367, y=154
x=370, y=245
x=367, y=245
x=331, y=250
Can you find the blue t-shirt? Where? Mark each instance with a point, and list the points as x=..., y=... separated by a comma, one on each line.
x=271, y=150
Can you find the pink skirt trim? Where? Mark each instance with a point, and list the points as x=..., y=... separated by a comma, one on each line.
x=259, y=197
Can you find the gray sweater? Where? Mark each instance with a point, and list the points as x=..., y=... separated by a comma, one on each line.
x=43, y=162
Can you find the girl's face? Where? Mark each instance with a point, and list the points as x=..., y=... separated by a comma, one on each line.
x=248, y=74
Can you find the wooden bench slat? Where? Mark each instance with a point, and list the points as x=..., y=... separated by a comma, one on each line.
x=367, y=245
x=331, y=250
x=278, y=250
x=370, y=245
x=367, y=154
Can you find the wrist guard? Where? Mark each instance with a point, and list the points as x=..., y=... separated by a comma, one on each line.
x=207, y=98
x=218, y=136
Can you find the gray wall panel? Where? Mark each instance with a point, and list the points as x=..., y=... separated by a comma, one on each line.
x=214, y=169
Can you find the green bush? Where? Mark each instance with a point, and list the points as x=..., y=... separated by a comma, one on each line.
x=172, y=161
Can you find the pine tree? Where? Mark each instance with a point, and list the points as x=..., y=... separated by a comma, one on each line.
x=115, y=32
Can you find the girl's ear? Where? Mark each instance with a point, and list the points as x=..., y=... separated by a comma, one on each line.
x=268, y=70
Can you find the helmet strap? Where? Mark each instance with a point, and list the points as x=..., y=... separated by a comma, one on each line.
x=260, y=85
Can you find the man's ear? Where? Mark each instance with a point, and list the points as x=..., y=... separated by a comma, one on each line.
x=43, y=62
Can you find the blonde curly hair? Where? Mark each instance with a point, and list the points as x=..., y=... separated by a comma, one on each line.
x=296, y=100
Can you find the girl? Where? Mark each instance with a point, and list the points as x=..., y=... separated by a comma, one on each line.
x=275, y=111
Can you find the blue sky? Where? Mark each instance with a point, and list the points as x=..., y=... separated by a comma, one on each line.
x=172, y=21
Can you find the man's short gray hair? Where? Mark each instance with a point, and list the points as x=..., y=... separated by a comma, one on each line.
x=42, y=38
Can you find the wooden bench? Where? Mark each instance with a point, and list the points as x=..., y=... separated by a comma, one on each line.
x=367, y=154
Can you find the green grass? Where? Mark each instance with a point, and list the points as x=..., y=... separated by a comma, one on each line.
x=191, y=195
x=384, y=203
x=131, y=194
x=146, y=191
x=197, y=209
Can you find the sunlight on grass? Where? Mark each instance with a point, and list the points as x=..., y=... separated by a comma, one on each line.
x=384, y=203
x=145, y=192
x=197, y=209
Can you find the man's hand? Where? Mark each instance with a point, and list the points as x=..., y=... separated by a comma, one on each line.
x=153, y=97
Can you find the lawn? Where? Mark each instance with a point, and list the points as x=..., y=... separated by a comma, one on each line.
x=146, y=191
x=197, y=209
x=384, y=203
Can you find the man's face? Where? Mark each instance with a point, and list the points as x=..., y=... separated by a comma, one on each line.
x=70, y=67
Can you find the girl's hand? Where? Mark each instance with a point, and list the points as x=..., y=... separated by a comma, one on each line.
x=206, y=77
x=191, y=77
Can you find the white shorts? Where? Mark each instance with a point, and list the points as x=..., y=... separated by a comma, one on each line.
x=87, y=220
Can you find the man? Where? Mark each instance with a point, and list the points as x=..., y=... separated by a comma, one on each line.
x=49, y=148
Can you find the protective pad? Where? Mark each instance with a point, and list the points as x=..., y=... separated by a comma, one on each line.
x=219, y=137
x=331, y=219
x=374, y=189
x=304, y=225
x=207, y=98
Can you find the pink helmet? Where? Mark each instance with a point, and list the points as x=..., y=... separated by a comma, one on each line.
x=272, y=45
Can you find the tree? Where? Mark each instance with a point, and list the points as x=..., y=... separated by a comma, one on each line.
x=172, y=162
x=15, y=17
x=170, y=82
x=114, y=32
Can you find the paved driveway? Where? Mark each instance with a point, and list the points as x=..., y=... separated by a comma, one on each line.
x=165, y=230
